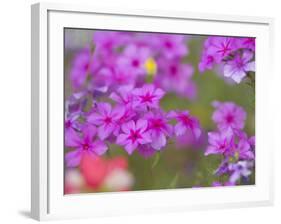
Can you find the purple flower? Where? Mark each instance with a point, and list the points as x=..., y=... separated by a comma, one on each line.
x=176, y=77
x=185, y=123
x=238, y=67
x=123, y=96
x=134, y=134
x=172, y=46
x=105, y=118
x=83, y=143
x=220, y=47
x=71, y=122
x=81, y=67
x=228, y=114
x=220, y=143
x=240, y=169
x=133, y=59
x=207, y=62
x=159, y=129
x=246, y=42
x=108, y=41
x=148, y=96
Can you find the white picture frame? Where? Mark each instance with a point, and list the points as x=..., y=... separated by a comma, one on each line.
x=48, y=200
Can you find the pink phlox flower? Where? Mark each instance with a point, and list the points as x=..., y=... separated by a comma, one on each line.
x=133, y=135
x=185, y=122
x=175, y=76
x=133, y=59
x=238, y=67
x=159, y=129
x=123, y=96
x=246, y=43
x=82, y=143
x=105, y=118
x=172, y=46
x=219, y=47
x=228, y=114
x=240, y=169
x=220, y=142
x=108, y=41
x=148, y=96
x=80, y=68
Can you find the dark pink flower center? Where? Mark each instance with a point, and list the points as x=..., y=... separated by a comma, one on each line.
x=224, y=48
x=68, y=124
x=147, y=98
x=185, y=119
x=173, y=70
x=157, y=123
x=85, y=146
x=229, y=118
x=168, y=44
x=210, y=59
x=134, y=135
x=86, y=66
x=108, y=120
x=135, y=63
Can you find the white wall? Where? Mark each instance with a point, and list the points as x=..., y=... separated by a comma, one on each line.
x=15, y=110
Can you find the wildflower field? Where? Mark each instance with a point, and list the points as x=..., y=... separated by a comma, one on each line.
x=148, y=111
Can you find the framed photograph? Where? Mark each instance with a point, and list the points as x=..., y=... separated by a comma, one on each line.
x=148, y=111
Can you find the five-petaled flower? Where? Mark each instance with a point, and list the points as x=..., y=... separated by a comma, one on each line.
x=186, y=122
x=228, y=114
x=83, y=143
x=148, y=96
x=134, y=134
x=238, y=67
x=105, y=118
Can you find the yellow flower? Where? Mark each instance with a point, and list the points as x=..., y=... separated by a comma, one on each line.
x=150, y=66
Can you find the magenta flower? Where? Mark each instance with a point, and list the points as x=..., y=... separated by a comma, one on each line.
x=105, y=118
x=123, y=96
x=172, y=46
x=148, y=96
x=246, y=42
x=107, y=41
x=159, y=129
x=238, y=67
x=207, y=62
x=240, y=169
x=186, y=122
x=244, y=150
x=220, y=143
x=228, y=114
x=175, y=76
x=220, y=47
x=134, y=134
x=134, y=58
x=81, y=67
x=83, y=143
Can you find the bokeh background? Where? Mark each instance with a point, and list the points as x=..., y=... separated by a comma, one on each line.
x=182, y=164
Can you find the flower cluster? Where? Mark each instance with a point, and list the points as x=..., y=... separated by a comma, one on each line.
x=118, y=83
x=129, y=58
x=230, y=141
x=236, y=55
x=134, y=121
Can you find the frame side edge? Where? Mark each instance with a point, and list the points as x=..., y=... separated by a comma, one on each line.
x=35, y=166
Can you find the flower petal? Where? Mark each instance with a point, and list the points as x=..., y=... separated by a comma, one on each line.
x=99, y=147
x=73, y=158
